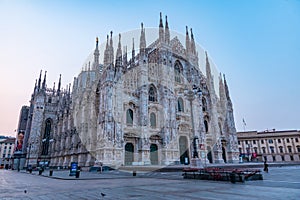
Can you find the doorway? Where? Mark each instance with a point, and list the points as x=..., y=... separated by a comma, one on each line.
x=183, y=150
x=129, y=150
x=154, y=154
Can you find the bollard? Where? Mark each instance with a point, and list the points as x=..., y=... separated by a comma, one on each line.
x=77, y=173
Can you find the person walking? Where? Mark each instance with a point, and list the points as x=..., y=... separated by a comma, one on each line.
x=266, y=169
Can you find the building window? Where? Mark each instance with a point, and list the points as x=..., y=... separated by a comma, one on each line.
x=239, y=142
x=129, y=117
x=49, y=100
x=262, y=141
x=254, y=141
x=264, y=149
x=3, y=156
x=279, y=140
x=287, y=140
x=246, y=141
x=292, y=158
x=206, y=126
x=204, y=105
x=282, y=158
x=281, y=149
x=296, y=140
x=153, y=120
x=152, y=94
x=180, y=106
x=290, y=149
x=298, y=149
x=177, y=73
x=270, y=141
x=45, y=147
x=220, y=128
x=272, y=149
x=255, y=150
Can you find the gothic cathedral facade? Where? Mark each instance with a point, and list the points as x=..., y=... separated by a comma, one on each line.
x=156, y=108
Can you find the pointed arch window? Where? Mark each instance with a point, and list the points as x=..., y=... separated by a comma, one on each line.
x=204, y=105
x=129, y=117
x=152, y=120
x=180, y=106
x=220, y=128
x=152, y=94
x=45, y=144
x=177, y=69
x=206, y=126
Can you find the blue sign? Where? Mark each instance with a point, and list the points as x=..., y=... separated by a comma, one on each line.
x=74, y=167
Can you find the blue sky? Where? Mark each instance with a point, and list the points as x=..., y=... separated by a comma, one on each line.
x=255, y=43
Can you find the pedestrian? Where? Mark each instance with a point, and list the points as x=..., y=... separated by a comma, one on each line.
x=266, y=166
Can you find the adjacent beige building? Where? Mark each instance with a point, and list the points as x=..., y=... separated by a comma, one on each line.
x=6, y=151
x=270, y=145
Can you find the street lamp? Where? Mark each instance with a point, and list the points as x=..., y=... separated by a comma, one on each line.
x=28, y=158
x=190, y=94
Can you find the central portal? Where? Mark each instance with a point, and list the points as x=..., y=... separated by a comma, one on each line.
x=184, y=151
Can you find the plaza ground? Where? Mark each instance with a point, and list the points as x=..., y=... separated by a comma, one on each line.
x=279, y=183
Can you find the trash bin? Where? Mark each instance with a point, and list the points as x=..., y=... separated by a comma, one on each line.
x=134, y=173
x=51, y=172
x=77, y=173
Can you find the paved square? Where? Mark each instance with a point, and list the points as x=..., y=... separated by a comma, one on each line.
x=279, y=183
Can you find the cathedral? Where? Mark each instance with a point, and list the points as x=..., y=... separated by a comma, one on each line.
x=156, y=108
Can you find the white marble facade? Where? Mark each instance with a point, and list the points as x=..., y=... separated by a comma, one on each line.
x=147, y=110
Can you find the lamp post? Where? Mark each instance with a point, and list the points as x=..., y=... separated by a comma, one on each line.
x=190, y=94
x=28, y=158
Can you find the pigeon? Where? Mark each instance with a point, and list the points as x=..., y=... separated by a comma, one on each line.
x=25, y=191
x=103, y=195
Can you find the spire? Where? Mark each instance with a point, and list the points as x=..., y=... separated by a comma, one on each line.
x=125, y=58
x=133, y=52
x=35, y=87
x=96, y=55
x=119, y=54
x=167, y=32
x=111, y=52
x=187, y=40
x=40, y=79
x=59, y=84
x=88, y=78
x=44, y=81
x=221, y=89
x=160, y=21
x=161, y=29
x=53, y=90
x=69, y=92
x=106, y=53
x=193, y=46
x=209, y=77
x=226, y=89
x=142, y=39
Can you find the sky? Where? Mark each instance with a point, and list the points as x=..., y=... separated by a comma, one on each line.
x=255, y=43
